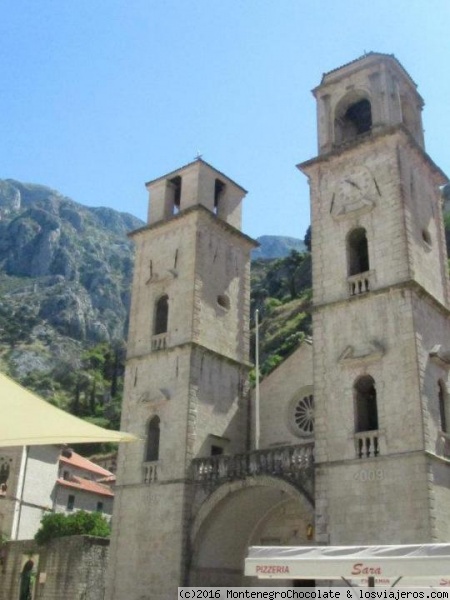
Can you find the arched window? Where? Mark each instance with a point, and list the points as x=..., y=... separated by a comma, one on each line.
x=366, y=412
x=161, y=315
x=442, y=405
x=352, y=118
x=358, y=251
x=152, y=450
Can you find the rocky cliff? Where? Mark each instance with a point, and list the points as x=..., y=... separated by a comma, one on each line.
x=65, y=272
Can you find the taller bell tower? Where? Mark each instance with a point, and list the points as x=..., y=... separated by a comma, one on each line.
x=381, y=320
x=186, y=373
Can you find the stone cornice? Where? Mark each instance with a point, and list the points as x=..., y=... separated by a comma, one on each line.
x=373, y=137
x=197, y=208
x=196, y=346
x=403, y=285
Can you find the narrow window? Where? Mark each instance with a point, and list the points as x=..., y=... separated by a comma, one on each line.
x=216, y=450
x=426, y=236
x=161, y=315
x=152, y=452
x=66, y=475
x=219, y=186
x=99, y=507
x=366, y=412
x=442, y=405
x=176, y=198
x=70, y=502
x=358, y=252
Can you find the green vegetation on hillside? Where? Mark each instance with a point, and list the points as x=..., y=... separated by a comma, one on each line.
x=281, y=292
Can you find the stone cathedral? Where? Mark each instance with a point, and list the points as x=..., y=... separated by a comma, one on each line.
x=354, y=427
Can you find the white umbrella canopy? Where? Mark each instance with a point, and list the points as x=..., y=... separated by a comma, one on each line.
x=27, y=420
x=422, y=564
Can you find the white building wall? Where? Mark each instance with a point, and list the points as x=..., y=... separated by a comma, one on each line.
x=40, y=473
x=83, y=501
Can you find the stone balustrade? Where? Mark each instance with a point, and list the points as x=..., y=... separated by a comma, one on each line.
x=367, y=444
x=286, y=461
x=160, y=341
x=360, y=283
x=150, y=472
x=443, y=445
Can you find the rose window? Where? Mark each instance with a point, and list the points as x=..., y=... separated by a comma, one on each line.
x=304, y=415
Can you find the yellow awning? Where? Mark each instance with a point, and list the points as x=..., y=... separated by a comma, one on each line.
x=27, y=420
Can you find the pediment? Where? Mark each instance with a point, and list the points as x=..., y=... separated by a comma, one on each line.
x=440, y=356
x=352, y=208
x=364, y=354
x=154, y=396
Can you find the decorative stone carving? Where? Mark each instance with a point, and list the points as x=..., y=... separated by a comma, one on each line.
x=155, y=396
x=363, y=355
x=440, y=356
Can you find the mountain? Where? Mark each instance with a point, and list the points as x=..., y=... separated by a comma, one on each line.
x=65, y=273
x=65, y=277
x=277, y=246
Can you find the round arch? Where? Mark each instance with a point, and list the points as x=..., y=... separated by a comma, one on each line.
x=352, y=116
x=257, y=511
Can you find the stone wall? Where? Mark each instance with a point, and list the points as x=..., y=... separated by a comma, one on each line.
x=72, y=568
x=280, y=393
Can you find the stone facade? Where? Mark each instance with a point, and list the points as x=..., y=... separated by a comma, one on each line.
x=381, y=306
x=373, y=465
x=186, y=370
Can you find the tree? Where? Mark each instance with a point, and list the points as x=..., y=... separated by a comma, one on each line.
x=293, y=263
x=57, y=525
x=307, y=240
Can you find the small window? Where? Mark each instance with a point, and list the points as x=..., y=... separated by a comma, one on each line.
x=358, y=252
x=99, y=507
x=161, y=315
x=66, y=475
x=426, y=236
x=70, y=502
x=366, y=411
x=152, y=450
x=224, y=301
x=216, y=450
x=442, y=394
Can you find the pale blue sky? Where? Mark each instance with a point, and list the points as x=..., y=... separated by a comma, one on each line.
x=99, y=96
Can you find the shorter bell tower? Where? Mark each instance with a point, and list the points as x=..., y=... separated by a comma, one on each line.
x=186, y=373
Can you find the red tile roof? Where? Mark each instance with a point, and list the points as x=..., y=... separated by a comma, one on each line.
x=110, y=479
x=75, y=460
x=86, y=485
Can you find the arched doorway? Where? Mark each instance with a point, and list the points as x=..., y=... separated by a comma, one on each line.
x=260, y=511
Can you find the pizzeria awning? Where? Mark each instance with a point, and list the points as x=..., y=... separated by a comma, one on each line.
x=27, y=420
x=425, y=564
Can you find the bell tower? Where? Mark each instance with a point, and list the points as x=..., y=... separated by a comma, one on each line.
x=381, y=321
x=186, y=373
